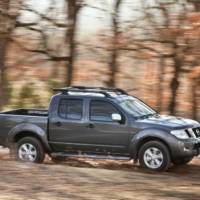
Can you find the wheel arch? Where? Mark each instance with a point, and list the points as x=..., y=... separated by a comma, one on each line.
x=148, y=139
x=148, y=135
x=28, y=130
x=24, y=134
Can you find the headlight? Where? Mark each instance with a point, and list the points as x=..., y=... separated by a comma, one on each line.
x=180, y=134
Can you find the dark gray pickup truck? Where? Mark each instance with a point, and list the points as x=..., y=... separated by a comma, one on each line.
x=97, y=122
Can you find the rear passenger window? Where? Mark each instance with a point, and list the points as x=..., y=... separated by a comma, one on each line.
x=102, y=111
x=71, y=109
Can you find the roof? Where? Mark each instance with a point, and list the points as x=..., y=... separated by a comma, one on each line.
x=97, y=91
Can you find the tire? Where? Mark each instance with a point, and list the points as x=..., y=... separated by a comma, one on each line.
x=183, y=161
x=29, y=149
x=154, y=155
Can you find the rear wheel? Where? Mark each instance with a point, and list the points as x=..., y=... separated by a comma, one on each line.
x=183, y=161
x=29, y=149
x=154, y=155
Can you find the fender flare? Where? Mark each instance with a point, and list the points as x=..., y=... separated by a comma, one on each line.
x=148, y=135
x=28, y=128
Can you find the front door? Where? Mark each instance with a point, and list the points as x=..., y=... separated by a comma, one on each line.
x=106, y=135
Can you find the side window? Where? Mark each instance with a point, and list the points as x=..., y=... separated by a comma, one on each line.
x=101, y=111
x=71, y=109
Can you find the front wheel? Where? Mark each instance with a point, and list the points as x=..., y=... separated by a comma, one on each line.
x=30, y=149
x=154, y=155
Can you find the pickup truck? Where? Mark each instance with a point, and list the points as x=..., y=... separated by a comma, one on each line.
x=98, y=122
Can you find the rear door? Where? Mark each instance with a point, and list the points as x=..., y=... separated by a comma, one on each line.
x=67, y=124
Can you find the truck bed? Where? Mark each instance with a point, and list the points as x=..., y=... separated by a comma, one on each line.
x=12, y=119
x=29, y=112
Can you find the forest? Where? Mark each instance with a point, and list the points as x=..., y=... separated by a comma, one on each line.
x=150, y=48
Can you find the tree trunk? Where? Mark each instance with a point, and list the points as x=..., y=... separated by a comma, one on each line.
x=195, y=97
x=196, y=4
x=160, y=84
x=73, y=10
x=113, y=65
x=4, y=40
x=175, y=84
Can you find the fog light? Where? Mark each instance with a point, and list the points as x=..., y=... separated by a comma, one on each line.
x=186, y=149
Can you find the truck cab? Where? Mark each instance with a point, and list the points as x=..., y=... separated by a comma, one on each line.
x=88, y=124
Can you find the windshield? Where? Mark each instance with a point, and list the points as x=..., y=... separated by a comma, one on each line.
x=137, y=108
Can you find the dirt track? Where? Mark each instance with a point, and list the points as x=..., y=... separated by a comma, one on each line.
x=91, y=179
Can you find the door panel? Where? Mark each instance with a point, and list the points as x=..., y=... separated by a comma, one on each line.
x=109, y=137
x=73, y=129
x=105, y=134
x=67, y=126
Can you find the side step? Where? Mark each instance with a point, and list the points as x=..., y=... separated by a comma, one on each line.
x=90, y=156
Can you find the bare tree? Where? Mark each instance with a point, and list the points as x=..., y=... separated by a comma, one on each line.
x=9, y=21
x=4, y=40
x=195, y=96
x=168, y=34
x=73, y=9
x=113, y=64
x=196, y=4
x=65, y=50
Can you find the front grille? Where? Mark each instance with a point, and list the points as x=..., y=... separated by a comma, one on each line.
x=194, y=132
x=197, y=146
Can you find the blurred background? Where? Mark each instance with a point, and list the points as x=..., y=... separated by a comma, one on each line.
x=150, y=48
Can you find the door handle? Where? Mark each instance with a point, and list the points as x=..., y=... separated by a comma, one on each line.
x=90, y=126
x=58, y=123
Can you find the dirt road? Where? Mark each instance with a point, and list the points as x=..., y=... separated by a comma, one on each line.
x=81, y=179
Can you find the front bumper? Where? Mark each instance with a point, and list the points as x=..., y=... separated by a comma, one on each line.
x=188, y=148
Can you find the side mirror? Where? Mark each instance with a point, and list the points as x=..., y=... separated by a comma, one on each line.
x=116, y=117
